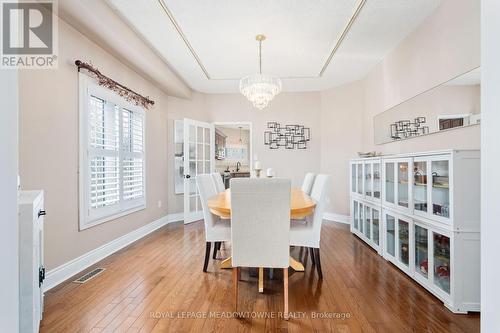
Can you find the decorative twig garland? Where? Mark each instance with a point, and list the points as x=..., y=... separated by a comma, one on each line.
x=118, y=88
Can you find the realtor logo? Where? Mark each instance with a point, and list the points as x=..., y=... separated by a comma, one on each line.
x=29, y=38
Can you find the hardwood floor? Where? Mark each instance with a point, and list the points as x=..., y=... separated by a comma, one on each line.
x=155, y=284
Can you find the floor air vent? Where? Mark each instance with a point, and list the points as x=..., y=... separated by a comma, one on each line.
x=89, y=275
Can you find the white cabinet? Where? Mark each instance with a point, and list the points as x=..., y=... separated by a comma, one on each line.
x=427, y=221
x=366, y=179
x=31, y=269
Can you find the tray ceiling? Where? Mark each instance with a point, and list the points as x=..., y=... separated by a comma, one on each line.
x=211, y=44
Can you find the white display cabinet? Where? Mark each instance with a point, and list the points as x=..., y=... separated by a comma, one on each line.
x=367, y=223
x=428, y=219
x=366, y=179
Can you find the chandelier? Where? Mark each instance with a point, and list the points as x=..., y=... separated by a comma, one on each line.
x=260, y=88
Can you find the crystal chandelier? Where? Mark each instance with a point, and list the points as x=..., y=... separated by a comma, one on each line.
x=260, y=88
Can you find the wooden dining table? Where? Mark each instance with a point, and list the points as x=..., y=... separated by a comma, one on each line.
x=301, y=205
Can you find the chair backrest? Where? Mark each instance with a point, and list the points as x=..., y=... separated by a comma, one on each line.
x=308, y=182
x=207, y=189
x=219, y=184
x=319, y=194
x=260, y=222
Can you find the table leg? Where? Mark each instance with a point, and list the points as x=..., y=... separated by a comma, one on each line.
x=226, y=263
x=261, y=279
x=296, y=265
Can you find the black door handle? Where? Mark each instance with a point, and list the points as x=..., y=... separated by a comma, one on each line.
x=41, y=213
x=187, y=176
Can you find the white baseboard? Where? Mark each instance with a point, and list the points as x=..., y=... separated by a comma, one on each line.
x=65, y=271
x=337, y=218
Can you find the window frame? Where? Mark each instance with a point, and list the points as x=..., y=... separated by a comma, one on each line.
x=89, y=218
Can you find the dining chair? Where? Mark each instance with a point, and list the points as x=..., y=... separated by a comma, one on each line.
x=219, y=183
x=260, y=218
x=308, y=234
x=216, y=229
x=308, y=182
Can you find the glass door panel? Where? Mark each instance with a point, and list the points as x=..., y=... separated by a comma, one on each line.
x=420, y=186
x=360, y=178
x=361, y=216
x=197, y=160
x=404, y=242
x=389, y=182
x=355, y=213
x=376, y=180
x=403, y=184
x=353, y=178
x=441, y=269
x=367, y=222
x=440, y=188
x=421, y=251
x=368, y=179
x=375, y=224
x=391, y=234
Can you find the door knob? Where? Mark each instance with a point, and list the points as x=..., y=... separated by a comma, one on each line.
x=187, y=176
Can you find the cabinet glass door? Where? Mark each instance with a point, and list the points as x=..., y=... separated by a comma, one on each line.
x=353, y=178
x=421, y=251
x=440, y=188
x=404, y=242
x=390, y=222
x=389, y=182
x=376, y=180
x=367, y=222
x=441, y=250
x=360, y=178
x=361, y=216
x=355, y=213
x=420, y=186
x=368, y=179
x=375, y=226
x=403, y=186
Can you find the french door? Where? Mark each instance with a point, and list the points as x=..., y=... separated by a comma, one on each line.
x=199, y=156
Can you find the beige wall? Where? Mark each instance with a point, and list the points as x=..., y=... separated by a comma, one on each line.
x=444, y=46
x=48, y=147
x=341, y=126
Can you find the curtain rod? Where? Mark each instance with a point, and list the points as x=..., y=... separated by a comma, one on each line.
x=120, y=89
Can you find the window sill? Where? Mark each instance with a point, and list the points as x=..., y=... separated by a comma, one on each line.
x=108, y=218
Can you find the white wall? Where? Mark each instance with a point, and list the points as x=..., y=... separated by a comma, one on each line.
x=490, y=159
x=9, y=277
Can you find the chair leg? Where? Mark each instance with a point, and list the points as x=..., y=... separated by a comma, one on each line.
x=207, y=255
x=235, y=288
x=285, y=292
x=216, y=247
x=318, y=263
x=311, y=252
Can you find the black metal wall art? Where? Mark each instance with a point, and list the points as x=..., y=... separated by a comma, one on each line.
x=289, y=136
x=404, y=129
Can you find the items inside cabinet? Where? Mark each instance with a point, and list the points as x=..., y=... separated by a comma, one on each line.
x=441, y=261
x=440, y=188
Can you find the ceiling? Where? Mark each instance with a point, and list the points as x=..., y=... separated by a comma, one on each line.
x=211, y=44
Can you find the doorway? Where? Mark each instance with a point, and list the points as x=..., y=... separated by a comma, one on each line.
x=233, y=150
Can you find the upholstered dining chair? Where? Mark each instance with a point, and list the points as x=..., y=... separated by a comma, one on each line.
x=308, y=182
x=260, y=218
x=308, y=234
x=216, y=229
x=219, y=184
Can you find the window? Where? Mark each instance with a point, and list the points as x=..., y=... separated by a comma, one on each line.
x=112, y=155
